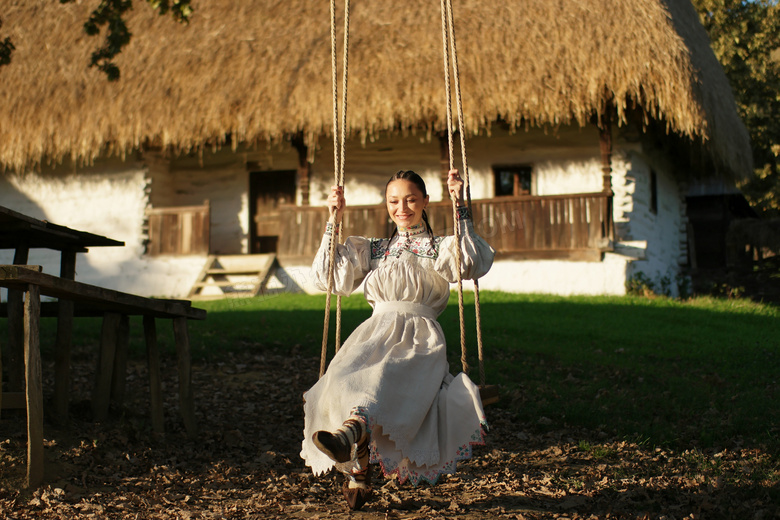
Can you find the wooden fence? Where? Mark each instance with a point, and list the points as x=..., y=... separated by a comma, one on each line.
x=183, y=230
x=577, y=227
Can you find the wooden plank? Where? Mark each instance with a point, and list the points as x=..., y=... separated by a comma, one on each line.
x=154, y=246
x=14, y=401
x=16, y=327
x=186, y=401
x=113, y=301
x=119, y=376
x=195, y=289
x=62, y=344
x=155, y=385
x=101, y=394
x=33, y=386
x=574, y=255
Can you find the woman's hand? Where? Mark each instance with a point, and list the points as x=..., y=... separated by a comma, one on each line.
x=455, y=186
x=336, y=203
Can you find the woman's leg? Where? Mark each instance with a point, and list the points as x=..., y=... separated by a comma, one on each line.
x=338, y=445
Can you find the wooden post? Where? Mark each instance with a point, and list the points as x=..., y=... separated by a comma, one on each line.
x=444, y=163
x=105, y=367
x=33, y=386
x=16, y=330
x=186, y=404
x=304, y=168
x=63, y=341
x=605, y=145
x=119, y=377
x=155, y=389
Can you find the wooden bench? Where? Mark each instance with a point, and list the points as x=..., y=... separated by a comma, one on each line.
x=115, y=307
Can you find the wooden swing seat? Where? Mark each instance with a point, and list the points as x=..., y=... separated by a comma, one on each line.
x=488, y=394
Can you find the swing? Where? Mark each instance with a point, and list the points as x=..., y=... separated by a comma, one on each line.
x=488, y=393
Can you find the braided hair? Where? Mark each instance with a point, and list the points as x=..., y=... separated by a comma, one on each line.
x=409, y=175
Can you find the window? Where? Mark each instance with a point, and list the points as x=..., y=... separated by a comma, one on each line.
x=653, y=192
x=513, y=180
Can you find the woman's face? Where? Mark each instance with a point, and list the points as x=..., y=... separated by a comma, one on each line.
x=405, y=203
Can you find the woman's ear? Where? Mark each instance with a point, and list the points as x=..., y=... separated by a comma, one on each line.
x=427, y=199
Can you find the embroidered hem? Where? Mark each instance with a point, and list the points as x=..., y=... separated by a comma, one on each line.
x=395, y=469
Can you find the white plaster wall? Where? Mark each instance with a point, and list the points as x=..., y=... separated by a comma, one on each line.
x=664, y=231
x=565, y=162
x=107, y=199
x=110, y=198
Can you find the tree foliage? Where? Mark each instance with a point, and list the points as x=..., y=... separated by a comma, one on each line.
x=6, y=48
x=745, y=37
x=110, y=13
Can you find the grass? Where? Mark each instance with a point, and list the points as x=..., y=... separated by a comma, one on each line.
x=700, y=373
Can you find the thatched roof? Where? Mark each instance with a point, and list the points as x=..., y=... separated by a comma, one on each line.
x=260, y=70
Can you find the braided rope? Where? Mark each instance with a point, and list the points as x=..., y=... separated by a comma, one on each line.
x=342, y=145
x=339, y=141
x=464, y=159
x=447, y=34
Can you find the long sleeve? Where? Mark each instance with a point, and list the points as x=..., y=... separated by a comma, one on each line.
x=352, y=263
x=477, y=255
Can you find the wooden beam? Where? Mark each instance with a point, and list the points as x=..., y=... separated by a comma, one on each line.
x=444, y=163
x=605, y=145
x=304, y=168
x=112, y=301
x=155, y=386
x=63, y=341
x=101, y=394
x=15, y=329
x=119, y=377
x=33, y=386
x=186, y=401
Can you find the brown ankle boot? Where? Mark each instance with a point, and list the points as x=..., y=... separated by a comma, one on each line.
x=332, y=446
x=358, y=496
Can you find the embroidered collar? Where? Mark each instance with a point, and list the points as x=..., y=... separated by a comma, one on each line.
x=412, y=231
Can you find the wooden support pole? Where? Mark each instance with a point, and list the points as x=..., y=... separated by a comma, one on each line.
x=155, y=387
x=444, y=163
x=33, y=386
x=119, y=377
x=186, y=403
x=15, y=329
x=304, y=168
x=101, y=394
x=63, y=341
x=605, y=146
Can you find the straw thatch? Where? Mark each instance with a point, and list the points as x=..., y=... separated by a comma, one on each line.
x=260, y=70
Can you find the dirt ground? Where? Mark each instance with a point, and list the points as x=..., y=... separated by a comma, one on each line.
x=245, y=463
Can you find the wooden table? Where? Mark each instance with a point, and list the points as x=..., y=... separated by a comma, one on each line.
x=27, y=283
x=22, y=233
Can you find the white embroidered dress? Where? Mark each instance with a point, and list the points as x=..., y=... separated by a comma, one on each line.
x=392, y=369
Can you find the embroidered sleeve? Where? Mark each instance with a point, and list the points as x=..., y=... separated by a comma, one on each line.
x=476, y=255
x=332, y=229
x=352, y=261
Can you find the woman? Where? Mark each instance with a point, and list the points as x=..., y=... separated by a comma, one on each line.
x=387, y=396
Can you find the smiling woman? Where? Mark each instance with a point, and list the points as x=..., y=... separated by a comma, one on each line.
x=407, y=198
x=388, y=390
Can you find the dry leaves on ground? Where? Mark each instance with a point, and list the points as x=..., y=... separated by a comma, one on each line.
x=245, y=463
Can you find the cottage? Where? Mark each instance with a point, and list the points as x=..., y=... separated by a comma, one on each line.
x=586, y=123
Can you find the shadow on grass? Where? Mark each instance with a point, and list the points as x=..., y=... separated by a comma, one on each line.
x=652, y=371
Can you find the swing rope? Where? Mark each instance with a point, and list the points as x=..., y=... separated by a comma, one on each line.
x=450, y=53
x=339, y=146
x=339, y=140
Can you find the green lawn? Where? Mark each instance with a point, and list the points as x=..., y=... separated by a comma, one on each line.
x=699, y=373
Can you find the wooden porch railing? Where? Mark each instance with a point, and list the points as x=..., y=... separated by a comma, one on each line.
x=183, y=230
x=576, y=227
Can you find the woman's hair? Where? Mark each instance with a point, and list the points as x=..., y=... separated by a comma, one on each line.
x=409, y=175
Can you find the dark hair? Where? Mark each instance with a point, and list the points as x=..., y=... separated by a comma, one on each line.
x=409, y=175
